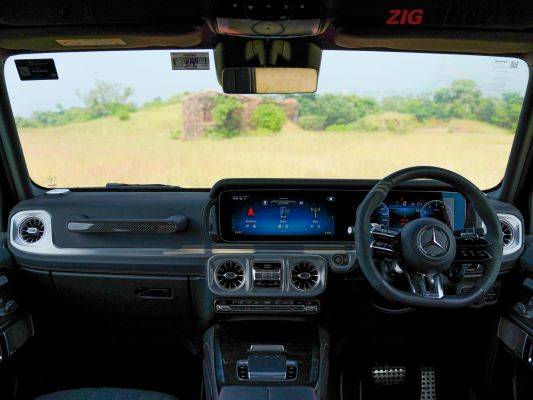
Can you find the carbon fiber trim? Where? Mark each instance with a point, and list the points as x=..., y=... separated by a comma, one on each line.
x=176, y=223
x=122, y=227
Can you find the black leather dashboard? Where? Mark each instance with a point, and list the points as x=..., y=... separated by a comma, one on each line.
x=165, y=275
x=177, y=253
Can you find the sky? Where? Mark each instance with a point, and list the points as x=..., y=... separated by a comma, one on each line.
x=149, y=73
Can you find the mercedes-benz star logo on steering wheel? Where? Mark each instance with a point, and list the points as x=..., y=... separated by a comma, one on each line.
x=433, y=241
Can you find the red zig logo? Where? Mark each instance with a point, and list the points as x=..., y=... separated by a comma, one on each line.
x=405, y=17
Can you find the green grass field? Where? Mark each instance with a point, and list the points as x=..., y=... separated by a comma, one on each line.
x=141, y=150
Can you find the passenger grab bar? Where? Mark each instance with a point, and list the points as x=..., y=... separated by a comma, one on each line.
x=173, y=224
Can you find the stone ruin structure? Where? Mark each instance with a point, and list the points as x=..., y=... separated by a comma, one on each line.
x=197, y=109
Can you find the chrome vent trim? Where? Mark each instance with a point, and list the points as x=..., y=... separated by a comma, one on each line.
x=24, y=238
x=305, y=275
x=230, y=275
x=507, y=232
x=515, y=238
x=31, y=230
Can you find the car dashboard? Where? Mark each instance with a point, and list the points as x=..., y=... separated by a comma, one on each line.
x=245, y=246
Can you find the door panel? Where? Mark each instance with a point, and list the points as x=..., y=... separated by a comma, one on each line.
x=512, y=375
x=16, y=327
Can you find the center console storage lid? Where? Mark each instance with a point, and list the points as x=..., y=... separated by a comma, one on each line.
x=267, y=393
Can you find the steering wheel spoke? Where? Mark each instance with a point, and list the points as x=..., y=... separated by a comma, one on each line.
x=386, y=242
x=426, y=285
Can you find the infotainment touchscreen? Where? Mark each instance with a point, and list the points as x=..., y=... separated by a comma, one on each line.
x=261, y=215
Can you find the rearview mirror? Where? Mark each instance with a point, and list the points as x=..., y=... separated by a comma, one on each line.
x=265, y=80
x=267, y=66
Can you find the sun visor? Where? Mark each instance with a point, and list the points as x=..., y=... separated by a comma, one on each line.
x=436, y=40
x=98, y=38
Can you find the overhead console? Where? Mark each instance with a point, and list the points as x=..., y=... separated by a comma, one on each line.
x=269, y=18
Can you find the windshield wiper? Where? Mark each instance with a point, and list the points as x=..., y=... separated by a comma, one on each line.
x=140, y=186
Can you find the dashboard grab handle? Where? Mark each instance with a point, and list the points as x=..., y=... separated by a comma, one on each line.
x=173, y=224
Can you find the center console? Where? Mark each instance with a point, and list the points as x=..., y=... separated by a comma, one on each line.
x=274, y=247
x=267, y=344
x=243, y=358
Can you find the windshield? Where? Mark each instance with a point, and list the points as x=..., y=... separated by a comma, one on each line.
x=159, y=117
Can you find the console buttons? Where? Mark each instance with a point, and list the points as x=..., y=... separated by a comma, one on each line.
x=337, y=259
x=267, y=367
x=340, y=260
x=292, y=370
x=242, y=370
x=267, y=265
x=267, y=274
x=520, y=309
x=267, y=306
x=267, y=284
x=491, y=297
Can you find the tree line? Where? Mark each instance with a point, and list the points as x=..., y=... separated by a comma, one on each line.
x=462, y=99
x=104, y=100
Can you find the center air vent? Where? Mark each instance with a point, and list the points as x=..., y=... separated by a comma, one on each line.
x=31, y=230
x=229, y=275
x=507, y=232
x=304, y=275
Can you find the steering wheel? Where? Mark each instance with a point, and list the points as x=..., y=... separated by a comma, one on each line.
x=425, y=248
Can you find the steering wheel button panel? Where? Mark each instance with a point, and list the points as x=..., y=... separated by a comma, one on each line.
x=472, y=255
x=472, y=250
x=386, y=242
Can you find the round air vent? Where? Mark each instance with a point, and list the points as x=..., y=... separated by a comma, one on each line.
x=507, y=232
x=229, y=275
x=31, y=230
x=304, y=275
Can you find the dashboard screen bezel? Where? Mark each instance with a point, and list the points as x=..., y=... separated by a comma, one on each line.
x=346, y=204
x=226, y=224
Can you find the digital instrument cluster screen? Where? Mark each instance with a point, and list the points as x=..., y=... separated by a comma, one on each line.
x=400, y=208
x=266, y=215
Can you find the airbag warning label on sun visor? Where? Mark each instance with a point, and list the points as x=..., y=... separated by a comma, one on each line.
x=36, y=69
x=190, y=61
